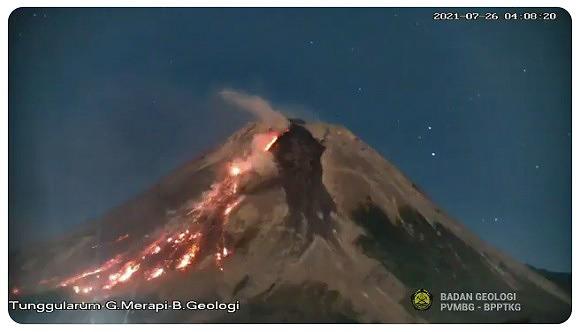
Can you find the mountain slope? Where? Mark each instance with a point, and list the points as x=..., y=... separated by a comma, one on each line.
x=306, y=224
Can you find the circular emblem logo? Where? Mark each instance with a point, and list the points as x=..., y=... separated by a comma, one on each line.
x=422, y=299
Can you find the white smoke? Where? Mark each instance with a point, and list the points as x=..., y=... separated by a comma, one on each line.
x=263, y=164
x=256, y=106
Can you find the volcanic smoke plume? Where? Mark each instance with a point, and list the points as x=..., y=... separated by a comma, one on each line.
x=258, y=107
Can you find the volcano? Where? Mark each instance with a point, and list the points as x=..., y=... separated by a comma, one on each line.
x=305, y=224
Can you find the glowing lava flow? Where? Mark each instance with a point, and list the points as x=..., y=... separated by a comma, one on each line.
x=269, y=144
x=108, y=265
x=179, y=248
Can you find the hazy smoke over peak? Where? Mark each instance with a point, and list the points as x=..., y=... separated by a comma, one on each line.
x=256, y=106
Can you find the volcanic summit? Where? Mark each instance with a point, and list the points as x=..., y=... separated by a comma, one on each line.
x=299, y=224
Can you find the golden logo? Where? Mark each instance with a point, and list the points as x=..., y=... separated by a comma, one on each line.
x=422, y=299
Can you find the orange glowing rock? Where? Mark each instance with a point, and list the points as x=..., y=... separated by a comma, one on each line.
x=152, y=249
x=155, y=273
x=270, y=143
x=233, y=205
x=188, y=257
x=184, y=262
x=109, y=264
x=122, y=237
x=235, y=170
x=130, y=269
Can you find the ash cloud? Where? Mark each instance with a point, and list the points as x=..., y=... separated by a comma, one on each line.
x=256, y=106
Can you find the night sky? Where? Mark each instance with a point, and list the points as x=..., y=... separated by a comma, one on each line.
x=104, y=102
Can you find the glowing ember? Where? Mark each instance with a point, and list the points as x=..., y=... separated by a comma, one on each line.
x=109, y=264
x=235, y=170
x=122, y=237
x=77, y=289
x=152, y=249
x=188, y=257
x=238, y=167
x=155, y=273
x=15, y=291
x=218, y=256
x=184, y=262
x=233, y=205
x=122, y=276
x=129, y=270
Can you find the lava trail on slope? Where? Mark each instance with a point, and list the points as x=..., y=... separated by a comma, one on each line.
x=199, y=233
